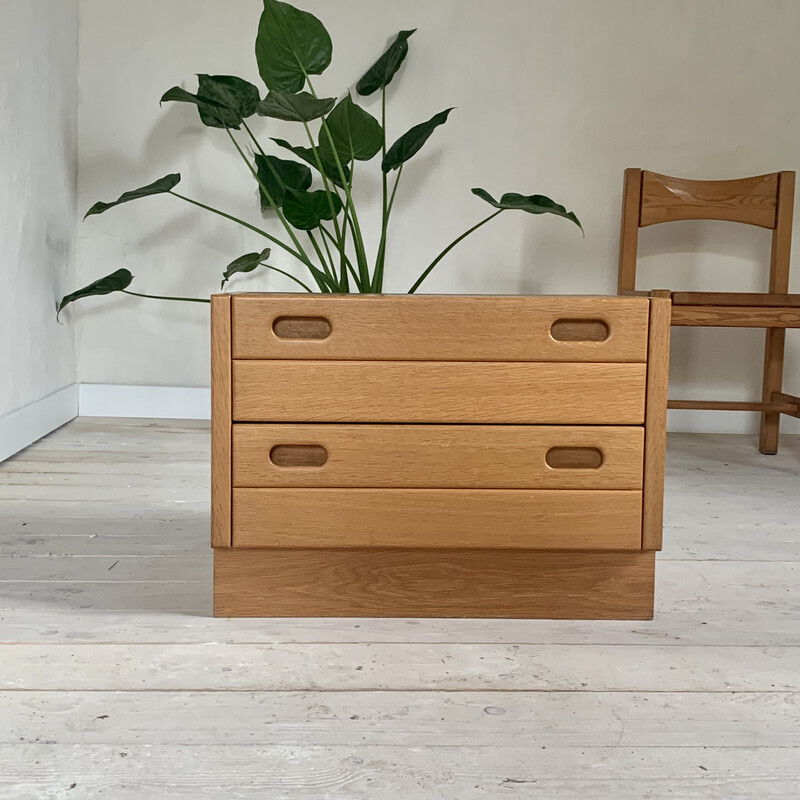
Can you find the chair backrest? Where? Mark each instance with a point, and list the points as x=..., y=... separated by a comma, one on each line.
x=764, y=200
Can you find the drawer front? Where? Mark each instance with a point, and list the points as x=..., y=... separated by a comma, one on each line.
x=488, y=518
x=431, y=328
x=437, y=456
x=439, y=392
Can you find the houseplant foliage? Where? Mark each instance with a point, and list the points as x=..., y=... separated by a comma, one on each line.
x=308, y=187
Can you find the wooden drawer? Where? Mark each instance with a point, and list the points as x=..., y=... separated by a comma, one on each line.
x=439, y=328
x=438, y=392
x=430, y=518
x=437, y=456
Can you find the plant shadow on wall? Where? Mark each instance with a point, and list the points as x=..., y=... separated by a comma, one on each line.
x=311, y=193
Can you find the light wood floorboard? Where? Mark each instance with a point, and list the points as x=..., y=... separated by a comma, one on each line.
x=116, y=682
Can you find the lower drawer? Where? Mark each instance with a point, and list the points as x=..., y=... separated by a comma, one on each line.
x=437, y=456
x=456, y=518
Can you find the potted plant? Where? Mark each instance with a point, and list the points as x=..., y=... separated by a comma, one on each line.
x=413, y=456
x=307, y=186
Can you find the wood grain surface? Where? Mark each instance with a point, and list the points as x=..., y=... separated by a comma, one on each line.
x=221, y=421
x=735, y=299
x=439, y=328
x=427, y=583
x=629, y=232
x=736, y=317
x=656, y=422
x=499, y=518
x=438, y=392
x=439, y=456
x=775, y=337
x=750, y=200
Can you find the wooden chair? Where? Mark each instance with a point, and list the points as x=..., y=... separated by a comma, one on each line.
x=766, y=201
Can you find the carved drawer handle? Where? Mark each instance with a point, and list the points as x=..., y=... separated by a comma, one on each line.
x=301, y=328
x=580, y=330
x=298, y=455
x=574, y=458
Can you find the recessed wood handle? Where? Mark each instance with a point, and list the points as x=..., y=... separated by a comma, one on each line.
x=574, y=458
x=302, y=328
x=298, y=455
x=579, y=330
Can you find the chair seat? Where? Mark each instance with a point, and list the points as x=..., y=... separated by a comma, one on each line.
x=729, y=299
x=735, y=316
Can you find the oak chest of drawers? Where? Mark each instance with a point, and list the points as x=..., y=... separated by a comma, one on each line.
x=437, y=456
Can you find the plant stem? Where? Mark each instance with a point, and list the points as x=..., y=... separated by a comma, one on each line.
x=314, y=271
x=255, y=141
x=321, y=258
x=240, y=222
x=345, y=263
x=377, y=280
x=358, y=239
x=287, y=274
x=340, y=242
x=165, y=297
x=327, y=249
x=264, y=189
x=449, y=248
x=322, y=279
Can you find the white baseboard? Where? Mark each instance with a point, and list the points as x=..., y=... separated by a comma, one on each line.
x=26, y=425
x=179, y=402
x=151, y=402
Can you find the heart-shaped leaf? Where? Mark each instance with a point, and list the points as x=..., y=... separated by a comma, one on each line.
x=277, y=175
x=115, y=282
x=533, y=204
x=161, y=186
x=380, y=74
x=238, y=96
x=306, y=210
x=290, y=45
x=410, y=143
x=356, y=135
x=245, y=263
x=301, y=107
x=223, y=101
x=307, y=155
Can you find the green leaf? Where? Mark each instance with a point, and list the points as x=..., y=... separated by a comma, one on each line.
x=357, y=135
x=306, y=210
x=223, y=101
x=283, y=174
x=290, y=45
x=245, y=263
x=302, y=107
x=380, y=74
x=307, y=154
x=161, y=186
x=533, y=204
x=410, y=143
x=115, y=282
x=239, y=97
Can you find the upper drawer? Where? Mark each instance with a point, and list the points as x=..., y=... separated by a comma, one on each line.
x=438, y=392
x=440, y=328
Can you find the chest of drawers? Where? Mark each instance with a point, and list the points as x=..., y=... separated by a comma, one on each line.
x=437, y=456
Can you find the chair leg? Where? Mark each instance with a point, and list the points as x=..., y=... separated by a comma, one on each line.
x=773, y=382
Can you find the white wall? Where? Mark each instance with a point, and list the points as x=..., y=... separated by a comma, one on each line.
x=38, y=168
x=552, y=97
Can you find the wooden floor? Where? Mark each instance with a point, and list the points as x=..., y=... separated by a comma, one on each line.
x=116, y=683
